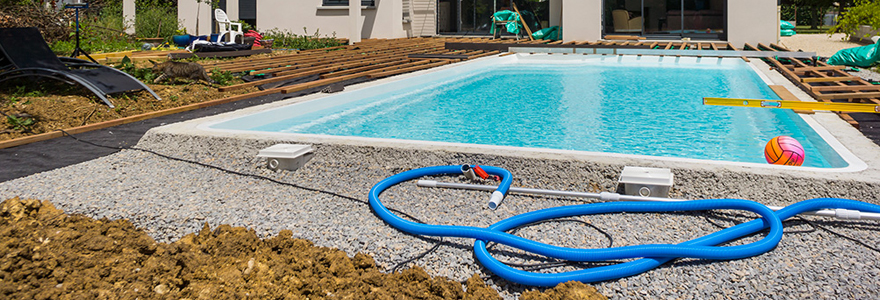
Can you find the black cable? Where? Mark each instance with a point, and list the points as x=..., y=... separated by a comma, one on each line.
x=875, y=249
x=438, y=243
x=558, y=263
x=717, y=215
x=815, y=226
x=418, y=257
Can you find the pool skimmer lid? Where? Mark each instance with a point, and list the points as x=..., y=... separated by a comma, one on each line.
x=287, y=156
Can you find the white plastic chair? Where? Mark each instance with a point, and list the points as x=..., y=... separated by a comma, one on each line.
x=232, y=28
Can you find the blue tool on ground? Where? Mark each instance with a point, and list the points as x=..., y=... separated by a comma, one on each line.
x=650, y=256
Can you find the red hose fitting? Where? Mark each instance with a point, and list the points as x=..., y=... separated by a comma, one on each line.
x=480, y=172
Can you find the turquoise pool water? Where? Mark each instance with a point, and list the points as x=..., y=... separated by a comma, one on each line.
x=612, y=106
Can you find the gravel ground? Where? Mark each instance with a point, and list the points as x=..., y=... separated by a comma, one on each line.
x=171, y=198
x=823, y=44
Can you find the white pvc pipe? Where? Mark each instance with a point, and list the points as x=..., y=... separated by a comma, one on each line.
x=606, y=196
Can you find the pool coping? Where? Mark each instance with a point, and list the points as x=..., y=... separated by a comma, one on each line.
x=863, y=166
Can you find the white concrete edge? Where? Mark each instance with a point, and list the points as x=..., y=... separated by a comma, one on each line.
x=829, y=126
x=854, y=163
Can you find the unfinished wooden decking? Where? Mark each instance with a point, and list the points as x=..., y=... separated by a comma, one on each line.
x=378, y=58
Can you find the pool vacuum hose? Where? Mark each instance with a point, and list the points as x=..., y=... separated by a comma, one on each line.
x=651, y=255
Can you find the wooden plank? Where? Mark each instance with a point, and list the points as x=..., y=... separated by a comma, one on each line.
x=775, y=46
x=785, y=94
x=767, y=48
x=850, y=120
x=829, y=79
x=848, y=96
x=364, y=68
x=321, y=82
x=523, y=21
x=407, y=70
x=749, y=46
x=438, y=56
x=802, y=70
x=837, y=88
x=490, y=53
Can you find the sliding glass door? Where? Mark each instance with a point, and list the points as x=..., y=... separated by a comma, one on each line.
x=673, y=19
x=474, y=17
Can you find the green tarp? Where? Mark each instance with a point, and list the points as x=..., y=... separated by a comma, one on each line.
x=506, y=15
x=863, y=57
x=785, y=25
x=786, y=29
x=551, y=33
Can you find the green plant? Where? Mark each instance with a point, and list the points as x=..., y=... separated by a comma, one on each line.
x=156, y=19
x=284, y=39
x=20, y=124
x=222, y=77
x=143, y=74
x=865, y=12
x=245, y=26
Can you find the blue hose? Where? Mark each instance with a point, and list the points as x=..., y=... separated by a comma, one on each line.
x=652, y=255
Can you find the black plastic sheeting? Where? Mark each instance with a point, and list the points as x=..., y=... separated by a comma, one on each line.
x=25, y=160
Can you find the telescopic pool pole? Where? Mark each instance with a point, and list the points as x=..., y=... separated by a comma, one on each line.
x=607, y=196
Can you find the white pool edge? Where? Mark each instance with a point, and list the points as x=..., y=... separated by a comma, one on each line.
x=202, y=127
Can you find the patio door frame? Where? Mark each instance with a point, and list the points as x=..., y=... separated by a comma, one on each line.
x=669, y=35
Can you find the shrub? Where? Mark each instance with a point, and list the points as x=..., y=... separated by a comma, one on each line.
x=155, y=19
x=287, y=40
x=865, y=12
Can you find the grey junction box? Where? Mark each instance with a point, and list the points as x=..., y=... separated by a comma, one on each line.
x=287, y=156
x=646, y=182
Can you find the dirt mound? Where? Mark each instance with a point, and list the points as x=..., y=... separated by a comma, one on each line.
x=46, y=254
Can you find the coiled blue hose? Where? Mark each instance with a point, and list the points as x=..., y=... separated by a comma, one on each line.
x=651, y=255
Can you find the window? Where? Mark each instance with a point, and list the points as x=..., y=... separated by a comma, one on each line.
x=345, y=3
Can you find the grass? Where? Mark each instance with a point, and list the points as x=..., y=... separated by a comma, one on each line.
x=805, y=29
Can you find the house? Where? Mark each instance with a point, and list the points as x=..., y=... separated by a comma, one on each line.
x=740, y=21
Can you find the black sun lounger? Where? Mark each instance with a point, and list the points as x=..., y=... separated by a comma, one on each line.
x=24, y=53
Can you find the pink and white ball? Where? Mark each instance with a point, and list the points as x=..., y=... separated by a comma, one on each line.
x=784, y=150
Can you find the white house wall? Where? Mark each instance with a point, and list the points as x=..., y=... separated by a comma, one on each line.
x=581, y=20
x=186, y=13
x=751, y=21
x=382, y=21
x=232, y=9
x=424, y=17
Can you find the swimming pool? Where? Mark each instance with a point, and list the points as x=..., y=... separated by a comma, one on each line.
x=630, y=105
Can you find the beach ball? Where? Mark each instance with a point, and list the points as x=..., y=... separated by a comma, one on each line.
x=784, y=150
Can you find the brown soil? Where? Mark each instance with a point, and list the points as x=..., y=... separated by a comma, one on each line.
x=66, y=107
x=46, y=254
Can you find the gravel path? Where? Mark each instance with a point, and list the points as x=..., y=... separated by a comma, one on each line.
x=823, y=44
x=170, y=199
